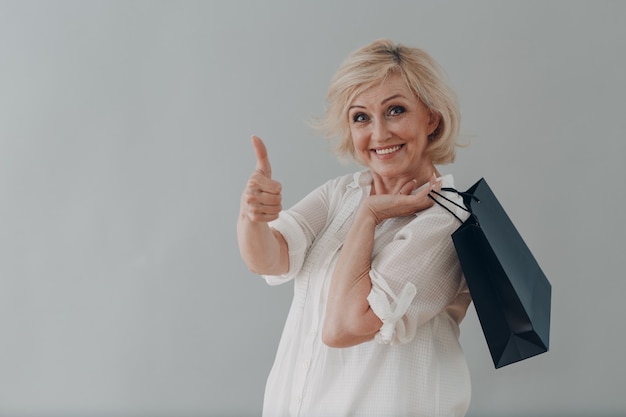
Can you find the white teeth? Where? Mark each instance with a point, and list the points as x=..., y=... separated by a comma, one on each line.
x=387, y=150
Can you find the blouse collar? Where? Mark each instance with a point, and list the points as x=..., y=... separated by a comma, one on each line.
x=364, y=179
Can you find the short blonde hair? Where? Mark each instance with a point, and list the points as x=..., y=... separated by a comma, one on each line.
x=369, y=66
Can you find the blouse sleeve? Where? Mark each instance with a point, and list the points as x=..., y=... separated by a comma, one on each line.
x=415, y=276
x=300, y=225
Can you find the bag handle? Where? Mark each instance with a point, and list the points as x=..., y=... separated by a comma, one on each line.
x=465, y=196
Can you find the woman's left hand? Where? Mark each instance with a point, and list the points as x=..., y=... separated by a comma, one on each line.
x=385, y=206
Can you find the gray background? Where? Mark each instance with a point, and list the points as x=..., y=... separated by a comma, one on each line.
x=125, y=144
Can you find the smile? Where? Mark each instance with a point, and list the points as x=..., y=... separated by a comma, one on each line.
x=386, y=151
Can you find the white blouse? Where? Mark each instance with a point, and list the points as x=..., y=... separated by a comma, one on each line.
x=415, y=365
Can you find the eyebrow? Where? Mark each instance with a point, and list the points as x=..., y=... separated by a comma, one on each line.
x=382, y=102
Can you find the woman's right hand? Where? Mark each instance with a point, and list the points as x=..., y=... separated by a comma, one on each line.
x=262, y=248
x=261, y=200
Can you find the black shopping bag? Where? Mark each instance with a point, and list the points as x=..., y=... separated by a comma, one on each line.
x=511, y=294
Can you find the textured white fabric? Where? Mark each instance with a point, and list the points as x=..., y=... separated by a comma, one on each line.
x=415, y=365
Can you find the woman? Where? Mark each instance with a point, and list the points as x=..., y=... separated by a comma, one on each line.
x=379, y=293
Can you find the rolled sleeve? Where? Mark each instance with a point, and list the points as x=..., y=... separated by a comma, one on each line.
x=292, y=232
x=391, y=309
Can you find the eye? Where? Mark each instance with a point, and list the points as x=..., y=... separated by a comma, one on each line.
x=359, y=118
x=396, y=110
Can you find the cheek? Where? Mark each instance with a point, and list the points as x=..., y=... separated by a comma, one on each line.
x=414, y=133
x=359, y=140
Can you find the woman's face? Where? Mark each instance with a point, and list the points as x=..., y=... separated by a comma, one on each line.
x=390, y=128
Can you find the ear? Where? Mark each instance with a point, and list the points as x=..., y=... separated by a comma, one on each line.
x=433, y=122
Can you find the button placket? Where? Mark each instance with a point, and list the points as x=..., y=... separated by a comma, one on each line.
x=320, y=258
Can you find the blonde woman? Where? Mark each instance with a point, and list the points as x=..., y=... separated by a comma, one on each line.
x=379, y=293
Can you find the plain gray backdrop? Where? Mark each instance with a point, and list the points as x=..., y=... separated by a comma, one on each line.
x=125, y=144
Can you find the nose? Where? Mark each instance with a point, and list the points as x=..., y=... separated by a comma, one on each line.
x=380, y=130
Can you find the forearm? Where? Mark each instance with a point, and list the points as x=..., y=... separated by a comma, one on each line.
x=349, y=318
x=263, y=249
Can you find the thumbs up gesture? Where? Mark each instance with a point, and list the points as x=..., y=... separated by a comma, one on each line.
x=261, y=200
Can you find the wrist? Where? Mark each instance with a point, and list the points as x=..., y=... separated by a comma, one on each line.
x=367, y=215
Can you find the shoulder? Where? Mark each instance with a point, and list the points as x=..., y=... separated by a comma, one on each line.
x=441, y=216
x=347, y=182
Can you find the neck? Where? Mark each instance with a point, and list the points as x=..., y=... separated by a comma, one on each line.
x=392, y=185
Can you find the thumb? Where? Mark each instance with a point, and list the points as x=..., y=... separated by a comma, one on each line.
x=262, y=161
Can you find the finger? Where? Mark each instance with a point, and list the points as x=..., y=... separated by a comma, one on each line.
x=408, y=188
x=262, y=160
x=259, y=183
x=262, y=212
x=265, y=198
x=435, y=183
x=261, y=215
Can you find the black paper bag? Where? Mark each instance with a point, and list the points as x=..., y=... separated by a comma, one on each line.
x=511, y=294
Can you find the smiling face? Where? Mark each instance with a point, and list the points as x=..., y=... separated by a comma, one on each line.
x=390, y=128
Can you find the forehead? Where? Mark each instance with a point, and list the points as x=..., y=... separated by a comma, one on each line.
x=391, y=86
